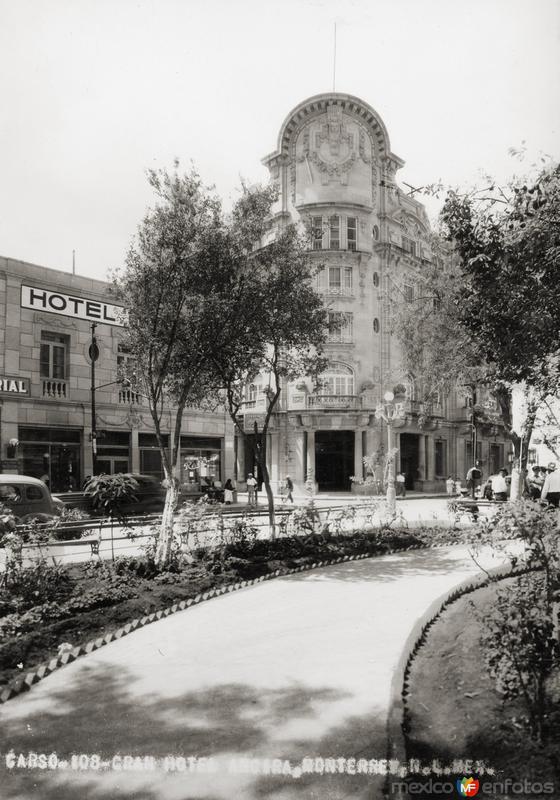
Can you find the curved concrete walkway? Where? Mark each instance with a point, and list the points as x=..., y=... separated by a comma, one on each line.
x=297, y=667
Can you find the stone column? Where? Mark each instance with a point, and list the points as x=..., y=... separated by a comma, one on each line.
x=431, y=458
x=134, y=451
x=228, y=455
x=422, y=456
x=358, y=463
x=310, y=452
x=240, y=459
x=273, y=459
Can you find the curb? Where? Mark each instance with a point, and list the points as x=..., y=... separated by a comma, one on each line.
x=24, y=683
x=396, y=748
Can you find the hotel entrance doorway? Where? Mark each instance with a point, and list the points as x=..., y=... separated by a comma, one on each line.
x=334, y=460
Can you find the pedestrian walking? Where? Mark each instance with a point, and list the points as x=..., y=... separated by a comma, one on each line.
x=251, y=490
x=400, y=481
x=228, y=492
x=289, y=489
x=551, y=487
x=474, y=477
x=450, y=486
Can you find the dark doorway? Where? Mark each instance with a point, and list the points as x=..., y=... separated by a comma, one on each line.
x=409, y=458
x=334, y=460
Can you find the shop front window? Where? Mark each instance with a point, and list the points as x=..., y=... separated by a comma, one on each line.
x=201, y=460
x=53, y=456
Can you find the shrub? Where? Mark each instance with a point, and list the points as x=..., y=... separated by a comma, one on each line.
x=110, y=493
x=41, y=583
x=519, y=640
x=521, y=648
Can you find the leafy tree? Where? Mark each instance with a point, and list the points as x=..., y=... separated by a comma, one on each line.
x=208, y=309
x=277, y=322
x=491, y=314
x=172, y=285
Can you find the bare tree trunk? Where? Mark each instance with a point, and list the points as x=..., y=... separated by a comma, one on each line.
x=270, y=498
x=165, y=540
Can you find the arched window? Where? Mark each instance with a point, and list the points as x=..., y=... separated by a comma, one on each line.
x=338, y=379
x=376, y=279
x=376, y=325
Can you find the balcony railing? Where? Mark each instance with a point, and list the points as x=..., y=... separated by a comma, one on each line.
x=339, y=338
x=129, y=397
x=336, y=291
x=55, y=389
x=330, y=401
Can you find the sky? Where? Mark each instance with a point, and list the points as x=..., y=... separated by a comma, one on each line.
x=95, y=92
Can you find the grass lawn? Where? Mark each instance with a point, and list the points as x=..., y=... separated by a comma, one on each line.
x=454, y=712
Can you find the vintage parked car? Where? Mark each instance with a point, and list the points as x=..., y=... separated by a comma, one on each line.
x=29, y=499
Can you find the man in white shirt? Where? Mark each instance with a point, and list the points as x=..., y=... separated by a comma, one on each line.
x=499, y=486
x=551, y=488
x=251, y=490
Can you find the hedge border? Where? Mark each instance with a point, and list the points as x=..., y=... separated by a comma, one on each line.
x=396, y=748
x=24, y=684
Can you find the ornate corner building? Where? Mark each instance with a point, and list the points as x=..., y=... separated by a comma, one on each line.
x=336, y=172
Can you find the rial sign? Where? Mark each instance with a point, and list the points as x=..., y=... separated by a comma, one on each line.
x=68, y=305
x=14, y=386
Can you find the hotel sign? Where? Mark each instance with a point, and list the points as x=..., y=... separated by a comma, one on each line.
x=69, y=305
x=11, y=386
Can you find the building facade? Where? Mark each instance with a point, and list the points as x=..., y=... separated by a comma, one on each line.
x=46, y=319
x=336, y=174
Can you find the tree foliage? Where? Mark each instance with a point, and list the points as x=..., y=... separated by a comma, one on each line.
x=509, y=250
x=211, y=304
x=277, y=322
x=489, y=311
x=173, y=284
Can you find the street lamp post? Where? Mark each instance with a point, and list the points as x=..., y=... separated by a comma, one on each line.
x=389, y=411
x=94, y=355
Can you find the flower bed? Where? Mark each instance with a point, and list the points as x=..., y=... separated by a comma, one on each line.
x=48, y=606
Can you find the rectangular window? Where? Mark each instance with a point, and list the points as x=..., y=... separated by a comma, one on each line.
x=334, y=233
x=352, y=233
x=409, y=293
x=335, y=278
x=53, y=355
x=408, y=245
x=441, y=458
x=317, y=232
x=125, y=365
x=341, y=327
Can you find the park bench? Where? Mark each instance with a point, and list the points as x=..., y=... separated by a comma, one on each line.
x=471, y=506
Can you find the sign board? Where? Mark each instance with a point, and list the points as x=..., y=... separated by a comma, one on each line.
x=67, y=305
x=14, y=386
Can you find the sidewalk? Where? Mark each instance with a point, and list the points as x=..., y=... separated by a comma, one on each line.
x=296, y=668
